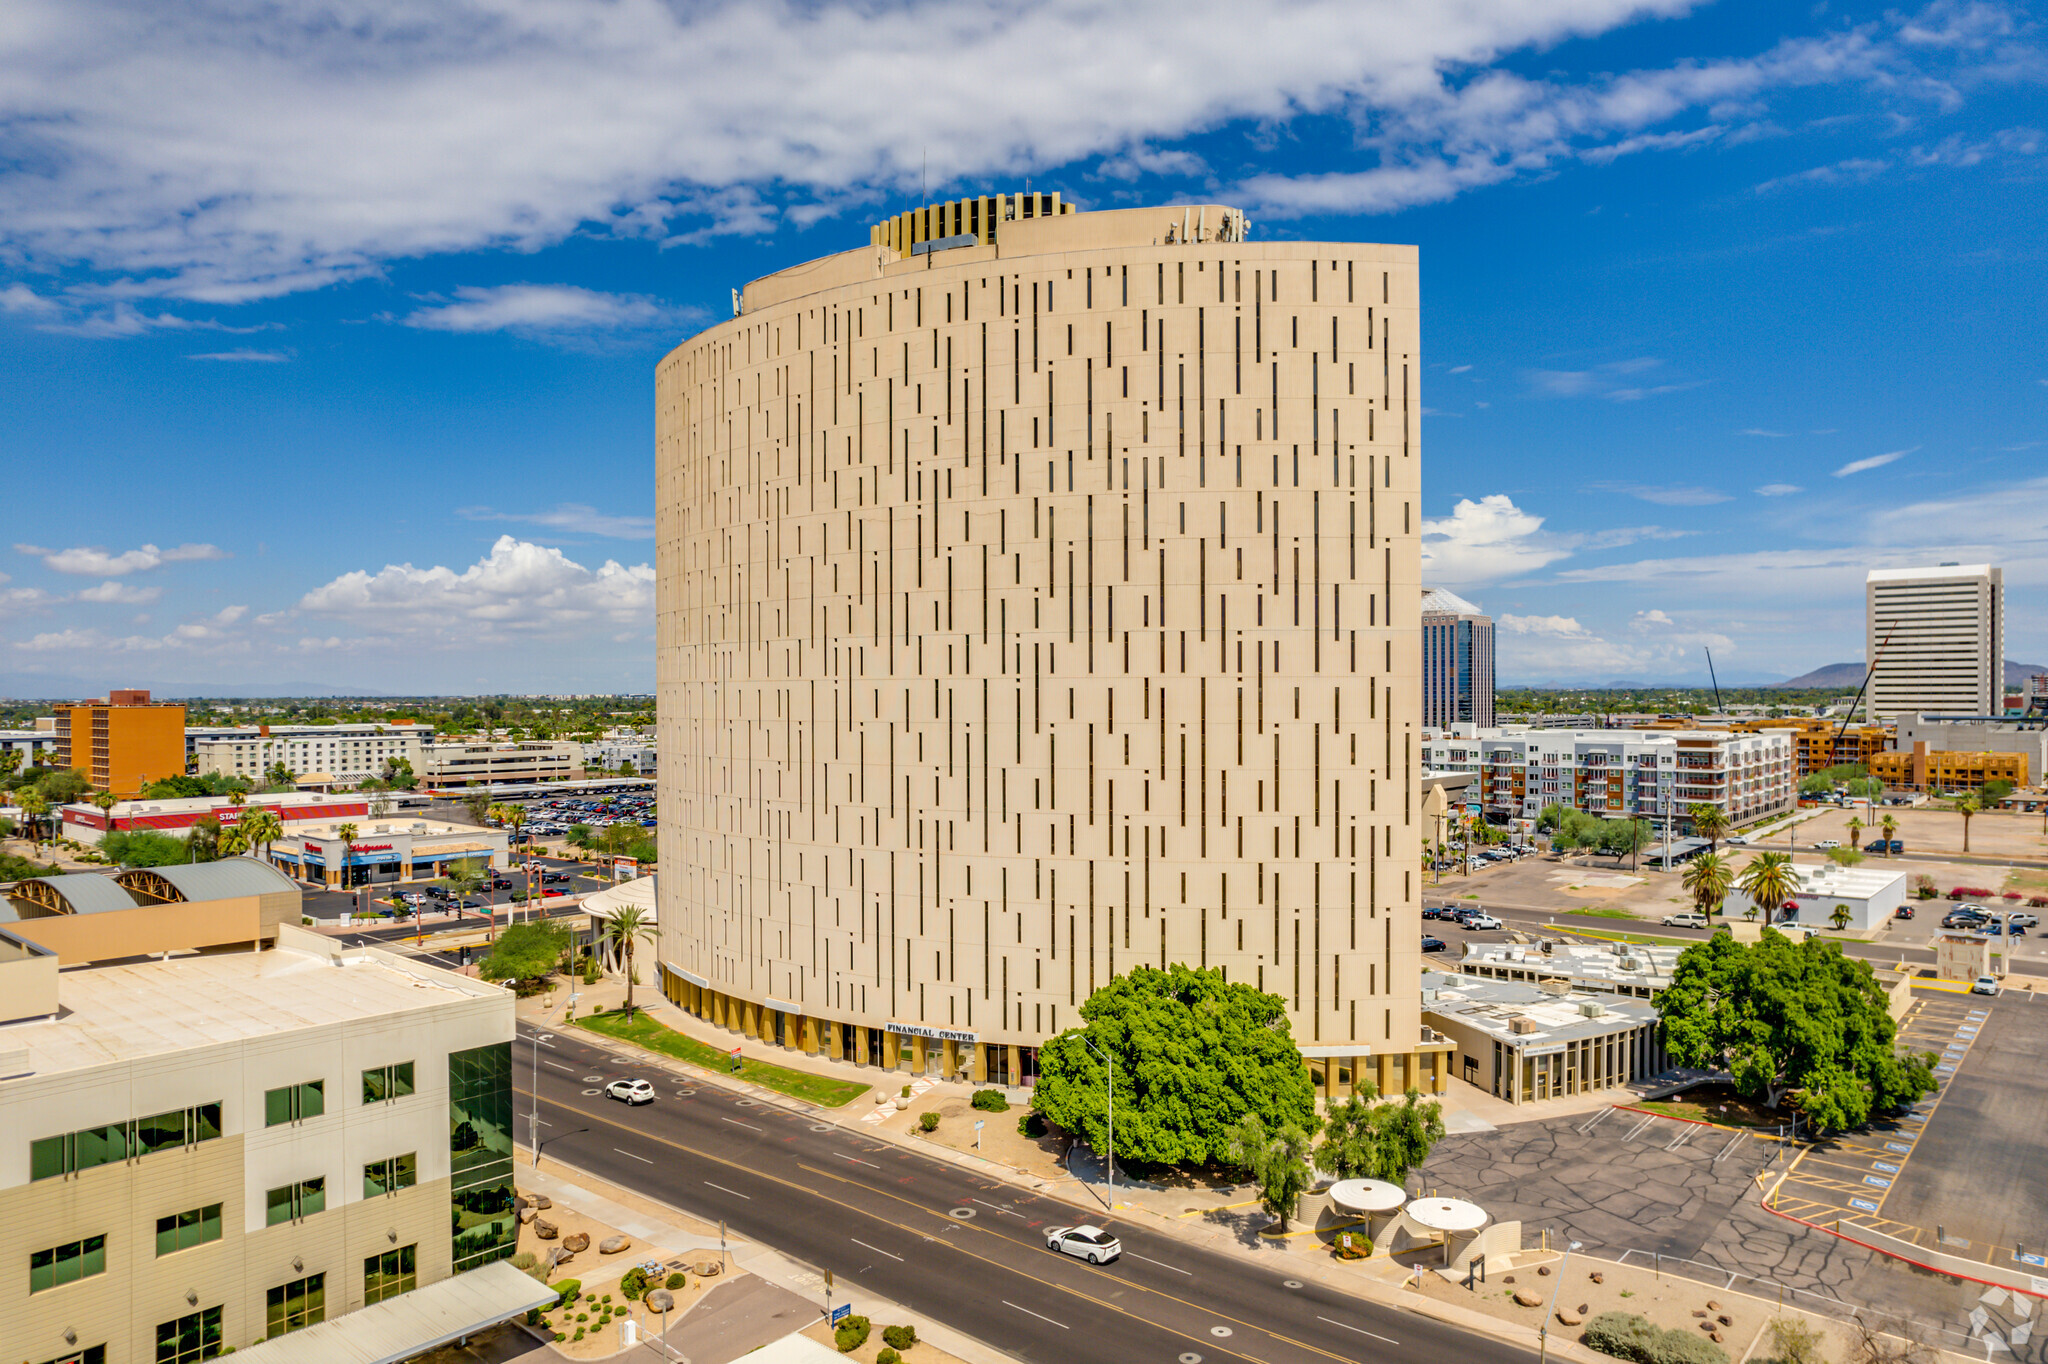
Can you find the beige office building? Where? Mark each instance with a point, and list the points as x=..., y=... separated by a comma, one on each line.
x=1038, y=599
x=1936, y=638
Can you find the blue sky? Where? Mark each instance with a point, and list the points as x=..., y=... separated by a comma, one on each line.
x=327, y=330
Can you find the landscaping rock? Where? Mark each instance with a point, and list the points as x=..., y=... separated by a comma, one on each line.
x=1524, y=1298
x=1698, y=1312
x=1714, y=1336
x=563, y=1258
x=580, y=1241
x=1707, y=1326
x=1584, y=1308
x=1567, y=1317
x=660, y=1300
x=542, y=1201
x=1507, y=1278
x=612, y=1245
x=1725, y=1319
x=1543, y=1270
x=526, y=1215
x=1597, y=1277
x=708, y=1269
x=546, y=1230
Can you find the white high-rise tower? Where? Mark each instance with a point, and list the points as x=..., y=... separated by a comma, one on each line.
x=1937, y=640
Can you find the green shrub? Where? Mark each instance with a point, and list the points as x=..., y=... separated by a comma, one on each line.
x=1689, y=1347
x=566, y=1291
x=677, y=1282
x=851, y=1334
x=906, y=1091
x=990, y=1101
x=888, y=1356
x=1794, y=1341
x=1352, y=1245
x=900, y=1337
x=633, y=1283
x=1628, y=1336
x=928, y=1121
x=1031, y=1125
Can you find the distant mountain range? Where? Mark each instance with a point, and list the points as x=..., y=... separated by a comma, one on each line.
x=31, y=687
x=1851, y=675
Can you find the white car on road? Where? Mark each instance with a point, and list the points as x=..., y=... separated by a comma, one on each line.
x=1092, y=1244
x=632, y=1091
x=1985, y=985
x=1689, y=918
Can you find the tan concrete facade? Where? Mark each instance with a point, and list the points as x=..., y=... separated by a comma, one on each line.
x=1035, y=610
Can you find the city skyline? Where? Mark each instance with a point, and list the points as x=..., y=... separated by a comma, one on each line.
x=1728, y=306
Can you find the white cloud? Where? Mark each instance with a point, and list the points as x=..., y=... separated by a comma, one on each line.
x=94, y=562
x=1779, y=490
x=1604, y=381
x=1484, y=542
x=1555, y=627
x=245, y=355
x=1857, y=466
x=518, y=589
x=1759, y=431
x=19, y=298
x=1646, y=620
x=308, y=141
x=571, y=516
x=124, y=594
x=1459, y=369
x=1855, y=170
x=1676, y=495
x=539, y=309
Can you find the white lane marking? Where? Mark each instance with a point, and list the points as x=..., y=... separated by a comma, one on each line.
x=1360, y=1329
x=877, y=1249
x=737, y=1123
x=559, y=1066
x=624, y=1152
x=1005, y=1211
x=1161, y=1263
x=1041, y=1316
x=722, y=1189
x=855, y=1159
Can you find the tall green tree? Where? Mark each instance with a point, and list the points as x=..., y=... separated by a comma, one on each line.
x=33, y=809
x=525, y=954
x=1769, y=881
x=1969, y=807
x=1709, y=822
x=1889, y=827
x=1795, y=1021
x=1277, y=1159
x=627, y=927
x=1707, y=879
x=263, y=828
x=1363, y=1139
x=1193, y=1055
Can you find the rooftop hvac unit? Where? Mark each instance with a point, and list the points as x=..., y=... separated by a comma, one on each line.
x=419, y=828
x=1522, y=1025
x=1592, y=1008
x=1630, y=963
x=1554, y=986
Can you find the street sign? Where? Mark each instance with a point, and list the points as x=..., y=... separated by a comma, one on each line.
x=841, y=1312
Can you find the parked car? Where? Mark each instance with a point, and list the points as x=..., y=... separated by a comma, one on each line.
x=2024, y=919
x=1903, y=912
x=1876, y=845
x=1481, y=921
x=1432, y=911
x=1430, y=944
x=1827, y=843
x=1688, y=918
x=554, y=878
x=1092, y=1244
x=1965, y=916
x=1984, y=985
x=1737, y=840
x=1896, y=846
x=631, y=1091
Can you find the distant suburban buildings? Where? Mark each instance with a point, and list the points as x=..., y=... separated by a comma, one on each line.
x=1821, y=744
x=1038, y=598
x=32, y=745
x=1957, y=748
x=1615, y=773
x=331, y=754
x=1457, y=661
x=87, y=823
x=224, y=1146
x=1936, y=640
x=121, y=743
x=527, y=760
x=612, y=755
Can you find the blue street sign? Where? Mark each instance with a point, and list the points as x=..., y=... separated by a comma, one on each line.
x=841, y=1312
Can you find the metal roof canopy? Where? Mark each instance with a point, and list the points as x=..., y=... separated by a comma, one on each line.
x=412, y=1323
x=222, y=880
x=78, y=893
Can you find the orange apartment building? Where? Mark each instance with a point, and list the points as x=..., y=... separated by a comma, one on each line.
x=1925, y=768
x=1816, y=746
x=122, y=743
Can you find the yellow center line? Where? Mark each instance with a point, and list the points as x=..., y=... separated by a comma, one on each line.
x=1209, y=1342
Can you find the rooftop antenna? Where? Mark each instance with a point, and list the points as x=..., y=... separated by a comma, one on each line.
x=1719, y=709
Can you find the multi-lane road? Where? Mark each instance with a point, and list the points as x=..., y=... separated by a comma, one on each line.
x=963, y=1248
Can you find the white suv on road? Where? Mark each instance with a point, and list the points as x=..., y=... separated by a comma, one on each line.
x=1690, y=918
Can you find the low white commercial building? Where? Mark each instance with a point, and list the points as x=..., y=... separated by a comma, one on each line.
x=457, y=764
x=88, y=824
x=1617, y=773
x=1525, y=1042
x=384, y=850
x=1872, y=895
x=1628, y=969
x=343, y=754
x=612, y=754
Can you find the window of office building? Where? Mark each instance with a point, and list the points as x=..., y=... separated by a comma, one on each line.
x=191, y=1337
x=68, y=1263
x=294, y=1103
x=480, y=1154
x=389, y=1176
x=389, y=1274
x=91, y=1354
x=387, y=1082
x=295, y=1305
x=295, y=1201
x=183, y=1230
x=72, y=1152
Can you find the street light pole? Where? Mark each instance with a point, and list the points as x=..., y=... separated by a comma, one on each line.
x=1110, y=1163
x=1543, y=1335
x=533, y=1115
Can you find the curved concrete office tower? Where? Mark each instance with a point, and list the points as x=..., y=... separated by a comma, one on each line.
x=1039, y=600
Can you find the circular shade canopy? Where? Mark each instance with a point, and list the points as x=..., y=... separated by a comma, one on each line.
x=1447, y=1214
x=1368, y=1195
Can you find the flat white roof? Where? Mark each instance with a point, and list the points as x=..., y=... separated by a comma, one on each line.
x=1492, y=1006
x=112, y=1014
x=1856, y=882
x=188, y=805
x=371, y=826
x=413, y=1323
x=1898, y=575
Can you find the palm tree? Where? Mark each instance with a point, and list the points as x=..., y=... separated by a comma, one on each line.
x=263, y=828
x=1708, y=878
x=34, y=807
x=1855, y=832
x=347, y=834
x=1841, y=916
x=105, y=801
x=1709, y=822
x=1769, y=880
x=1968, y=807
x=513, y=817
x=628, y=924
x=238, y=797
x=203, y=843
x=1889, y=827
x=465, y=878
x=234, y=842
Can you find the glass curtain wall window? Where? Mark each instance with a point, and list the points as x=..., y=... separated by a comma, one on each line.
x=480, y=1154
x=183, y=1230
x=389, y=1176
x=90, y=1147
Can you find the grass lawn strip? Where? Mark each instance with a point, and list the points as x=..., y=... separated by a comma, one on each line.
x=645, y=1032
x=1590, y=912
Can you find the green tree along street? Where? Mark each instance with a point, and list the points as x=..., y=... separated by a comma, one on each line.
x=1791, y=1021
x=1277, y=1161
x=1363, y=1139
x=1707, y=879
x=1193, y=1056
x=526, y=954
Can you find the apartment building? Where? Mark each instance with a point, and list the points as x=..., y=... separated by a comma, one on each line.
x=342, y=754
x=122, y=743
x=1038, y=598
x=1922, y=768
x=1936, y=637
x=1457, y=661
x=203, y=1152
x=1646, y=774
x=29, y=747
x=460, y=764
x=2027, y=740
x=1820, y=744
